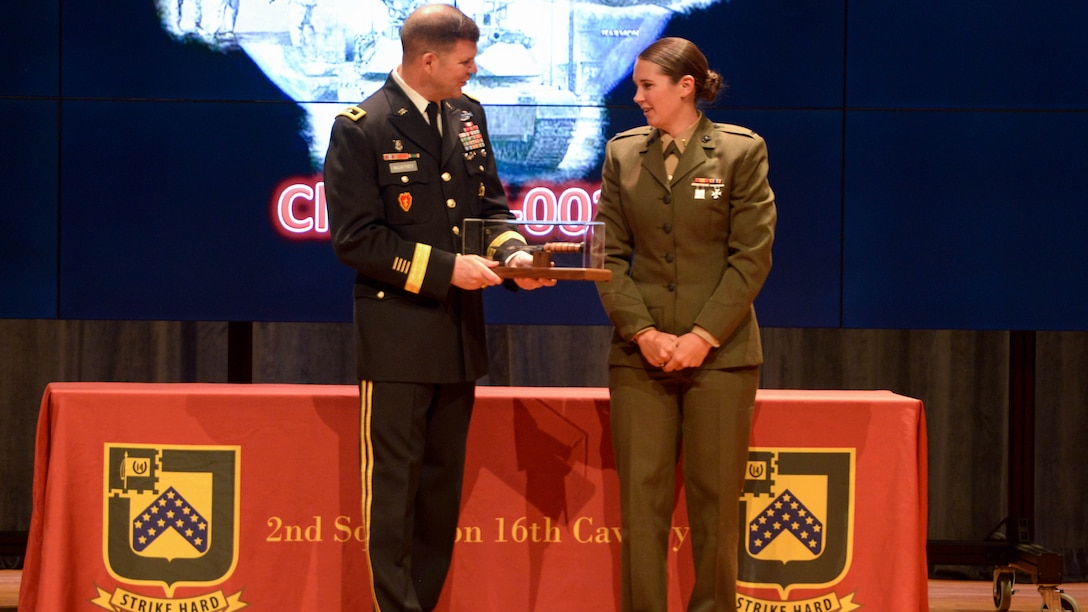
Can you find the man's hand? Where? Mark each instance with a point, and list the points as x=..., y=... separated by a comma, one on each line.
x=471, y=272
x=521, y=259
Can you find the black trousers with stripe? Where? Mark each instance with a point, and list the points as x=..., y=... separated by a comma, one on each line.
x=412, y=446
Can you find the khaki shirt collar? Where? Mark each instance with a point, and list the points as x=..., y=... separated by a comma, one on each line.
x=682, y=138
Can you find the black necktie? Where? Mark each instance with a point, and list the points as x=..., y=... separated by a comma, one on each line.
x=432, y=116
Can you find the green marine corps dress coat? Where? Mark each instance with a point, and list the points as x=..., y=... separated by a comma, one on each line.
x=683, y=272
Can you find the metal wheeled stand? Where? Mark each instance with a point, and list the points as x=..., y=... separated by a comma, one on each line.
x=1044, y=567
x=1013, y=551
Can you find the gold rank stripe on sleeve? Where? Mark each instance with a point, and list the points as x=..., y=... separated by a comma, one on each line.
x=352, y=112
x=419, y=268
x=401, y=265
x=502, y=238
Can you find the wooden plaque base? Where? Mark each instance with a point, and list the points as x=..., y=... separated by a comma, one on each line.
x=589, y=274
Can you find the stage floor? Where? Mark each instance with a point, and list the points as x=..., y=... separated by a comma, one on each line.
x=972, y=596
x=944, y=595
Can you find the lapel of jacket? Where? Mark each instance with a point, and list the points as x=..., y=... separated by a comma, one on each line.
x=653, y=159
x=450, y=129
x=697, y=151
x=406, y=118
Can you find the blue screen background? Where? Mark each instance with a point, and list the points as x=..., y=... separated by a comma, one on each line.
x=927, y=159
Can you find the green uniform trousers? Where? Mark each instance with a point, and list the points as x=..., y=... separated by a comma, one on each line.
x=701, y=419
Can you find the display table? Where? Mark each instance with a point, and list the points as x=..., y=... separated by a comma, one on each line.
x=215, y=497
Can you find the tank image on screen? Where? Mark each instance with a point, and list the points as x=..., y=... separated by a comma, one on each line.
x=543, y=66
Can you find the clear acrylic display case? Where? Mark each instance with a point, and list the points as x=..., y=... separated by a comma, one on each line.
x=560, y=250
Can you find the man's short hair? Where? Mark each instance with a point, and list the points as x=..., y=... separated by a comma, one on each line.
x=436, y=27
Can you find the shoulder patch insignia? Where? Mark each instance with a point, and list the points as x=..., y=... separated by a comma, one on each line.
x=352, y=112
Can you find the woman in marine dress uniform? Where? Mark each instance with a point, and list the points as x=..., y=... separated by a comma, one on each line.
x=689, y=222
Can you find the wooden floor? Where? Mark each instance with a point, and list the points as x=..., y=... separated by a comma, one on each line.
x=971, y=596
x=944, y=595
x=9, y=589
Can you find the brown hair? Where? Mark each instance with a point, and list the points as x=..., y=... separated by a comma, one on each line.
x=678, y=57
x=436, y=27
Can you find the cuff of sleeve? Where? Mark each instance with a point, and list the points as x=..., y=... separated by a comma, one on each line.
x=705, y=335
x=634, y=338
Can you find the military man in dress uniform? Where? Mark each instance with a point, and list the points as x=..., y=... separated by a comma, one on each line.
x=402, y=172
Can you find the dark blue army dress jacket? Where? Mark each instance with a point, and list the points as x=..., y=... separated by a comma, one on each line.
x=396, y=204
